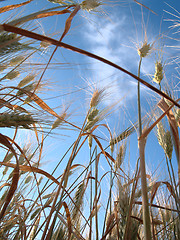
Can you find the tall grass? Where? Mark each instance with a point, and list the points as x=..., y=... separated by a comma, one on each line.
x=87, y=192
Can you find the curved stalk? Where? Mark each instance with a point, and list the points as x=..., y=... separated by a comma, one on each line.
x=39, y=37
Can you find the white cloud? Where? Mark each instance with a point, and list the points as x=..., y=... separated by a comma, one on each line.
x=107, y=39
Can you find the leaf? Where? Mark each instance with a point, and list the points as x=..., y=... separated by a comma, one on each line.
x=11, y=7
x=5, y=184
x=110, y=223
x=35, y=213
x=4, y=140
x=126, y=133
x=154, y=190
x=48, y=14
x=157, y=206
x=69, y=20
x=47, y=196
x=31, y=169
x=37, y=16
x=157, y=221
x=28, y=179
x=170, y=188
x=93, y=212
x=44, y=106
x=173, y=124
x=8, y=157
x=68, y=215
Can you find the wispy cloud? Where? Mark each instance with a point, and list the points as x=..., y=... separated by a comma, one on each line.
x=107, y=39
x=116, y=40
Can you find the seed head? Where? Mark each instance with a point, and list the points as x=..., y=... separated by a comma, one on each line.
x=59, y=121
x=168, y=144
x=96, y=98
x=144, y=50
x=112, y=148
x=56, y=1
x=26, y=80
x=90, y=124
x=28, y=179
x=160, y=134
x=92, y=114
x=92, y=118
x=16, y=120
x=28, y=87
x=165, y=140
x=5, y=37
x=90, y=5
x=12, y=75
x=122, y=135
x=158, y=76
x=45, y=44
x=16, y=60
x=177, y=117
x=5, y=170
x=120, y=157
x=2, y=67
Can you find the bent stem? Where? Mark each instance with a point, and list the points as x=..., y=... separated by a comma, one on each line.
x=39, y=37
x=141, y=143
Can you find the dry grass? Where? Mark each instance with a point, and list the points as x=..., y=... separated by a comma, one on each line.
x=78, y=199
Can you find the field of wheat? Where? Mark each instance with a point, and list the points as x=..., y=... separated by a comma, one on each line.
x=88, y=158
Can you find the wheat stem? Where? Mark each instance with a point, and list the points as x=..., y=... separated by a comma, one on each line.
x=96, y=194
x=139, y=101
x=142, y=142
